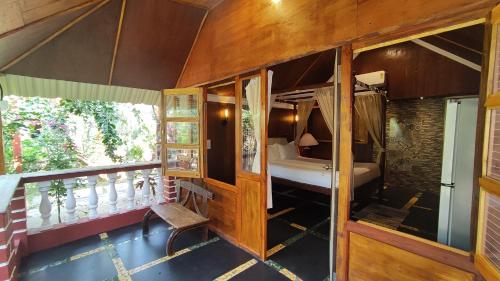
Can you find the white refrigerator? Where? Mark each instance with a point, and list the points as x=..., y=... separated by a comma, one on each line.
x=457, y=172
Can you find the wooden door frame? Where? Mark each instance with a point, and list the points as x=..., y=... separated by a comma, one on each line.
x=262, y=177
x=422, y=247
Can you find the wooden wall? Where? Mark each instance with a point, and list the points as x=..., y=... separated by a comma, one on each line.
x=281, y=124
x=414, y=71
x=222, y=210
x=241, y=35
x=221, y=155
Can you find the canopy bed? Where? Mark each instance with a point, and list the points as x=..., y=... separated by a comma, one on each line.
x=287, y=167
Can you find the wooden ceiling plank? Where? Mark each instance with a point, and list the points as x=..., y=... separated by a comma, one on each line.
x=307, y=70
x=447, y=54
x=54, y=35
x=117, y=41
x=192, y=47
x=48, y=17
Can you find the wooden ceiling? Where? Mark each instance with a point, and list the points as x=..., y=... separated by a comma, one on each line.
x=467, y=43
x=153, y=43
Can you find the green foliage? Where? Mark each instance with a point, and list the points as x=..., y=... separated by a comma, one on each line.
x=135, y=153
x=105, y=116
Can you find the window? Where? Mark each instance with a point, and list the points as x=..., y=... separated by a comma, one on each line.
x=182, y=143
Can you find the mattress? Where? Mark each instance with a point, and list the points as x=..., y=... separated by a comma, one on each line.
x=317, y=171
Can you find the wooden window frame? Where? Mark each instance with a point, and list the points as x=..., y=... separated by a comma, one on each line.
x=198, y=119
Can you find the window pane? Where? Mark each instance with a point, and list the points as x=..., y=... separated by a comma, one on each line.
x=182, y=159
x=250, y=122
x=182, y=105
x=491, y=246
x=493, y=165
x=182, y=132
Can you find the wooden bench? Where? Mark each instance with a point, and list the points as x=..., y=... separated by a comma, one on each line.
x=178, y=215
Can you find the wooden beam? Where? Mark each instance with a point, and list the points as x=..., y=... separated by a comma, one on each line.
x=54, y=35
x=192, y=47
x=458, y=44
x=117, y=41
x=345, y=164
x=307, y=70
x=447, y=54
x=295, y=90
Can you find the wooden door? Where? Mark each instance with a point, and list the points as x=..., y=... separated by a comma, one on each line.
x=251, y=172
x=181, y=132
x=487, y=256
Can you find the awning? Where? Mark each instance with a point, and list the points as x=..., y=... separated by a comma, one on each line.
x=25, y=86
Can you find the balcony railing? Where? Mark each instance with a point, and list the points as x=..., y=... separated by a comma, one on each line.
x=70, y=177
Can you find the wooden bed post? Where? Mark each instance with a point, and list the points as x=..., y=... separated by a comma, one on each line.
x=345, y=163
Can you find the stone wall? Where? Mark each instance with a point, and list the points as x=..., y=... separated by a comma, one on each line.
x=414, y=136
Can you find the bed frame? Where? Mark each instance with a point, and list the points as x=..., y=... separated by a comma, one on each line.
x=362, y=193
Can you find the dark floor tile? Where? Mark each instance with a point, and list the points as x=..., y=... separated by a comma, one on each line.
x=281, y=202
x=324, y=229
x=307, y=258
x=50, y=256
x=428, y=200
x=278, y=232
x=423, y=220
x=259, y=271
x=205, y=263
x=152, y=247
x=397, y=197
x=95, y=267
x=134, y=231
x=307, y=215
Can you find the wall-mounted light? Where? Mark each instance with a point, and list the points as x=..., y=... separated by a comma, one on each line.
x=276, y=1
x=296, y=118
x=225, y=116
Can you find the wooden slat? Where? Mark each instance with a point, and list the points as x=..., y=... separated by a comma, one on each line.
x=177, y=215
x=345, y=164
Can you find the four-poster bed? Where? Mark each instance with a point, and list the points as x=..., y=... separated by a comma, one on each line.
x=315, y=174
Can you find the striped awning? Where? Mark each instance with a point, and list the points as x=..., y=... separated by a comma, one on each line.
x=25, y=86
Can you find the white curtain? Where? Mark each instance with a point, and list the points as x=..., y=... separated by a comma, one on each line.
x=324, y=96
x=303, y=111
x=369, y=108
x=253, y=98
x=24, y=86
x=270, y=102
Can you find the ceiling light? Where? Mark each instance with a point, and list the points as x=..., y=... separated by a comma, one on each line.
x=276, y=1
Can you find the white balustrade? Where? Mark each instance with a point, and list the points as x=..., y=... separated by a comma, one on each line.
x=113, y=196
x=93, y=199
x=69, y=184
x=45, y=205
x=159, y=186
x=146, y=187
x=130, y=190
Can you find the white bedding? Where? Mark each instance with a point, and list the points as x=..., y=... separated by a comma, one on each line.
x=314, y=171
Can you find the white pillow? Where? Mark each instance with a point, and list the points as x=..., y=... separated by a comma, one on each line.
x=273, y=152
x=288, y=151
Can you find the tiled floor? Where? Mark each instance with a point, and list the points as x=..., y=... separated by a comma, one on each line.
x=298, y=233
x=297, y=238
x=125, y=254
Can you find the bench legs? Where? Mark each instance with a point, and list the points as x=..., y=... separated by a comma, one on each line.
x=176, y=233
x=145, y=221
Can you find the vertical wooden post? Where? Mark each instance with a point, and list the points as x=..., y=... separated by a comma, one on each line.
x=345, y=163
x=263, y=160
